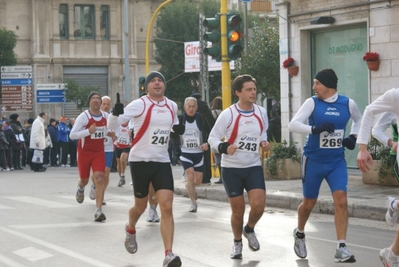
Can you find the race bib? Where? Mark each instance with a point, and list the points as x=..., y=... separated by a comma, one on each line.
x=248, y=143
x=99, y=133
x=332, y=140
x=123, y=140
x=158, y=137
x=191, y=139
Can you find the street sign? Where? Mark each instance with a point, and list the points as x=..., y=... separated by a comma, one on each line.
x=50, y=93
x=18, y=95
x=16, y=75
x=16, y=101
x=16, y=69
x=50, y=86
x=16, y=89
x=17, y=108
x=53, y=99
x=16, y=82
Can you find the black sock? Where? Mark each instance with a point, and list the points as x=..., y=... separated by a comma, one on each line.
x=248, y=229
x=300, y=235
x=238, y=241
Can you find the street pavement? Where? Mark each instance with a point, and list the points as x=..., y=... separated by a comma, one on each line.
x=364, y=201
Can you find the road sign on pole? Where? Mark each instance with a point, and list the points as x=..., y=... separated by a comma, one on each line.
x=49, y=93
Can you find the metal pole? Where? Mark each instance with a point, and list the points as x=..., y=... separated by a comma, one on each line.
x=226, y=74
x=126, y=67
x=246, y=28
x=147, y=40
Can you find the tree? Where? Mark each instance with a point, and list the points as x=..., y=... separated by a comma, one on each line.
x=178, y=23
x=263, y=60
x=79, y=94
x=8, y=41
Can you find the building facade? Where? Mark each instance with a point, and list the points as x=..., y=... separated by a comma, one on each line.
x=336, y=34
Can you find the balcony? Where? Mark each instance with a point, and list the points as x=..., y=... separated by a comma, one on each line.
x=262, y=6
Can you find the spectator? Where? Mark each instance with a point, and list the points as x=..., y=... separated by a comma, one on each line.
x=9, y=133
x=73, y=144
x=19, y=143
x=53, y=132
x=274, y=130
x=62, y=138
x=3, y=147
x=204, y=110
x=216, y=109
x=27, y=132
x=38, y=140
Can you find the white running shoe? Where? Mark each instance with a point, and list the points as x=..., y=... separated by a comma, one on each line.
x=122, y=180
x=99, y=216
x=152, y=215
x=171, y=260
x=80, y=196
x=236, y=252
x=193, y=207
x=300, y=246
x=130, y=242
x=344, y=255
x=386, y=260
x=392, y=215
x=253, y=242
x=92, y=194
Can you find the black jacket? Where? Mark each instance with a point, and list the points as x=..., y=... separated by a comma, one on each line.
x=3, y=141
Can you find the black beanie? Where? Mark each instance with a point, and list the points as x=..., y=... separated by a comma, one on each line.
x=327, y=79
x=91, y=95
x=151, y=76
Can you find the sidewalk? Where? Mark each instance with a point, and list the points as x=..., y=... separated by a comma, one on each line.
x=364, y=201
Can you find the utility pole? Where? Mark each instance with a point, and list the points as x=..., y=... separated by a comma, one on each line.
x=204, y=73
x=226, y=74
x=126, y=67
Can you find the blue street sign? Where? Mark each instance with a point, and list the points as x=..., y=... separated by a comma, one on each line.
x=50, y=93
x=16, y=82
x=51, y=99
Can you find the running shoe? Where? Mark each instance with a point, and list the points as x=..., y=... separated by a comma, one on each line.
x=122, y=180
x=171, y=260
x=92, y=194
x=343, y=255
x=392, y=215
x=386, y=260
x=130, y=242
x=152, y=215
x=236, y=252
x=252, y=240
x=193, y=207
x=99, y=216
x=300, y=246
x=80, y=195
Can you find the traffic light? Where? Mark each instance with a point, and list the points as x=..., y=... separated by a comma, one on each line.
x=234, y=36
x=141, y=85
x=213, y=35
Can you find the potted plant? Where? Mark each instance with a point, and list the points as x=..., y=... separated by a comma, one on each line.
x=372, y=59
x=382, y=172
x=289, y=65
x=283, y=162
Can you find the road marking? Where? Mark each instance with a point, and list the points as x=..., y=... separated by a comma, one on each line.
x=65, y=225
x=5, y=208
x=9, y=262
x=41, y=202
x=32, y=254
x=59, y=249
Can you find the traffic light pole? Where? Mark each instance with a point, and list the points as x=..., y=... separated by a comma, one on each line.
x=147, y=40
x=226, y=74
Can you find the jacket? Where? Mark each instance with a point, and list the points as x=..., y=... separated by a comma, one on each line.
x=37, y=136
x=3, y=141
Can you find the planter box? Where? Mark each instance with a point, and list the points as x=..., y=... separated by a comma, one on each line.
x=372, y=176
x=287, y=169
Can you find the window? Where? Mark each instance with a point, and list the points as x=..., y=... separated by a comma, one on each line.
x=104, y=22
x=83, y=22
x=63, y=21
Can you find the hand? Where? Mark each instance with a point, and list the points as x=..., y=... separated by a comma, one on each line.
x=265, y=145
x=92, y=128
x=204, y=147
x=324, y=127
x=179, y=129
x=118, y=108
x=364, y=159
x=349, y=142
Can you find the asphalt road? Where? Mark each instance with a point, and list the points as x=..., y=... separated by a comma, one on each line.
x=41, y=224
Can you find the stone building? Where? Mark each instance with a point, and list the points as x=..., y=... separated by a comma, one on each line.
x=336, y=34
